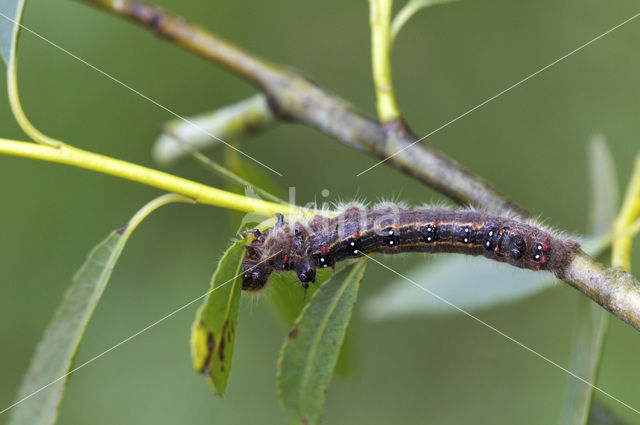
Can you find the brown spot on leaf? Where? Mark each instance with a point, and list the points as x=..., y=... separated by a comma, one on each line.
x=211, y=343
x=293, y=333
x=222, y=342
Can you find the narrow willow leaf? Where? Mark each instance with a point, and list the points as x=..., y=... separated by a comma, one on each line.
x=256, y=183
x=592, y=321
x=586, y=351
x=288, y=300
x=230, y=122
x=11, y=15
x=55, y=352
x=471, y=283
x=603, y=415
x=309, y=354
x=605, y=193
x=44, y=383
x=214, y=329
x=287, y=295
x=254, y=175
x=410, y=9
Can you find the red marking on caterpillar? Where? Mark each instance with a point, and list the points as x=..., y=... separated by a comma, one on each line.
x=323, y=241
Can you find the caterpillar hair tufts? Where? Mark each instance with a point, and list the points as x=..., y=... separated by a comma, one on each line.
x=305, y=245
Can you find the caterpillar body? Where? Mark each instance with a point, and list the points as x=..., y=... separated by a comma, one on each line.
x=321, y=242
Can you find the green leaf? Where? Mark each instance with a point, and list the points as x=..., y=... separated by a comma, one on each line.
x=55, y=352
x=586, y=351
x=288, y=300
x=214, y=329
x=250, y=172
x=311, y=349
x=603, y=415
x=287, y=295
x=592, y=321
x=9, y=27
x=471, y=283
x=44, y=383
x=605, y=193
x=230, y=122
x=263, y=186
x=410, y=9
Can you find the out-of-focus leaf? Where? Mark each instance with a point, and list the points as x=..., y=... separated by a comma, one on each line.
x=605, y=193
x=410, y=9
x=592, y=321
x=227, y=123
x=265, y=186
x=309, y=354
x=471, y=283
x=10, y=18
x=252, y=173
x=214, y=329
x=588, y=341
x=601, y=415
x=55, y=352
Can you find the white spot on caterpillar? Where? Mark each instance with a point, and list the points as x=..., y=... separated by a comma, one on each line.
x=466, y=240
x=537, y=257
x=322, y=260
x=490, y=234
x=352, y=244
x=390, y=232
x=429, y=238
x=488, y=243
x=390, y=242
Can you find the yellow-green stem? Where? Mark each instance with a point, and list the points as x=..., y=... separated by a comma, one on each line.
x=381, y=45
x=16, y=107
x=621, y=248
x=151, y=206
x=198, y=192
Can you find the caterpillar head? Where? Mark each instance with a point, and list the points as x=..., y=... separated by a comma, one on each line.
x=254, y=277
x=255, y=269
x=284, y=247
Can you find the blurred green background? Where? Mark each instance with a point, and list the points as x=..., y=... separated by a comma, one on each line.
x=531, y=143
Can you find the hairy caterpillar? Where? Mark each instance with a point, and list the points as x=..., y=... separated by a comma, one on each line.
x=323, y=241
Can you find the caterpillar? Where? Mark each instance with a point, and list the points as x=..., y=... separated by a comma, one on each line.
x=322, y=241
